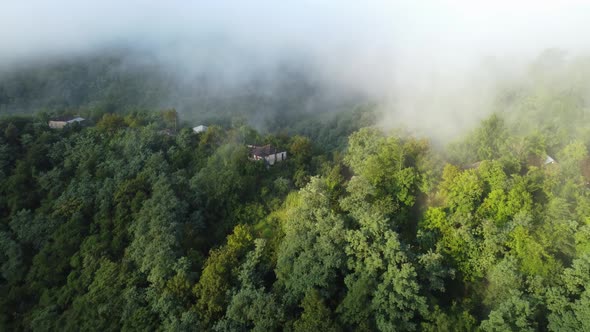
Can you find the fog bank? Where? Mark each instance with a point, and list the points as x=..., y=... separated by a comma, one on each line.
x=432, y=65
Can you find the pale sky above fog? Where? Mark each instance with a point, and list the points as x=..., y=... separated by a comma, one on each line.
x=449, y=28
x=409, y=47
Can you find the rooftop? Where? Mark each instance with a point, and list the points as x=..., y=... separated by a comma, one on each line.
x=262, y=151
x=67, y=118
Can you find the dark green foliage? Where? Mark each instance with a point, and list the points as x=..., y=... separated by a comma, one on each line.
x=133, y=222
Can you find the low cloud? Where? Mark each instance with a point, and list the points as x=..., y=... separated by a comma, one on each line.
x=427, y=63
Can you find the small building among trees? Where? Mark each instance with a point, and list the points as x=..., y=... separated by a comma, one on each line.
x=549, y=161
x=59, y=123
x=267, y=153
x=167, y=132
x=199, y=129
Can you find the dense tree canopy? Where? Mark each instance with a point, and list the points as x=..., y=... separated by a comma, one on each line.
x=131, y=221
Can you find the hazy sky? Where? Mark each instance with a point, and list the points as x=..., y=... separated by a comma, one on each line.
x=378, y=47
x=449, y=28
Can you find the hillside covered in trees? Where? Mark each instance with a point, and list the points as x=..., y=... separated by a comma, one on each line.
x=112, y=225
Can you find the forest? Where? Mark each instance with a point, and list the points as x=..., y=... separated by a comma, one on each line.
x=114, y=224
